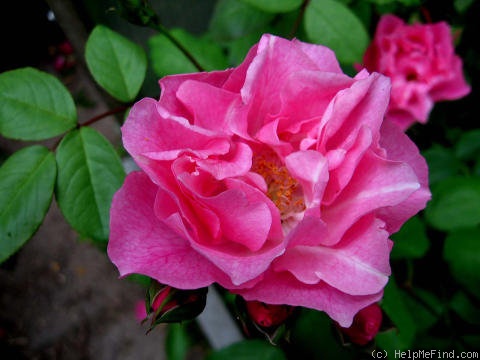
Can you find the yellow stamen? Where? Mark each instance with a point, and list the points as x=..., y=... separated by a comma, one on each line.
x=282, y=188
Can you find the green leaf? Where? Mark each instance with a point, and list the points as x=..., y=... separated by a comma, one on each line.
x=468, y=147
x=34, y=105
x=234, y=19
x=247, y=350
x=426, y=306
x=321, y=343
x=275, y=6
x=239, y=48
x=89, y=173
x=455, y=203
x=177, y=342
x=116, y=63
x=442, y=163
x=27, y=180
x=464, y=307
x=394, y=305
x=411, y=241
x=390, y=341
x=462, y=6
x=167, y=59
x=461, y=251
x=332, y=24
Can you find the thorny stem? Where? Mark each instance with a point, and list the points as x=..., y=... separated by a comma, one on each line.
x=298, y=20
x=103, y=115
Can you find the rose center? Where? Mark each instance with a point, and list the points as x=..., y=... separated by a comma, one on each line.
x=285, y=192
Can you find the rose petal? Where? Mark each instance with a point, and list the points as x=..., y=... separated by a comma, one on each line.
x=377, y=183
x=210, y=106
x=140, y=243
x=358, y=265
x=339, y=306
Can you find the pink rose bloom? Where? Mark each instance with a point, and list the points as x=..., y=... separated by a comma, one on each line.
x=277, y=179
x=422, y=65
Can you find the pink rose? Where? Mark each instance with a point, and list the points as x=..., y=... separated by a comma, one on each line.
x=422, y=65
x=365, y=325
x=277, y=180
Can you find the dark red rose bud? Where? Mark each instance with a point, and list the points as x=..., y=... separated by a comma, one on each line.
x=267, y=315
x=365, y=325
x=65, y=48
x=161, y=300
x=59, y=62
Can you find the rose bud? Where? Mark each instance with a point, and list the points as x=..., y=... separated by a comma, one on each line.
x=158, y=300
x=267, y=315
x=65, y=48
x=365, y=325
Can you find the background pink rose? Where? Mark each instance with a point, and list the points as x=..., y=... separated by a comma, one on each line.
x=277, y=180
x=421, y=62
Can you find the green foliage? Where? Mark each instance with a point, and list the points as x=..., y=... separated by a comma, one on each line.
x=395, y=306
x=116, y=63
x=468, y=146
x=275, y=6
x=411, y=241
x=27, y=179
x=235, y=19
x=247, y=350
x=461, y=251
x=454, y=203
x=330, y=23
x=177, y=342
x=465, y=308
x=89, y=173
x=442, y=163
x=167, y=59
x=313, y=336
x=34, y=105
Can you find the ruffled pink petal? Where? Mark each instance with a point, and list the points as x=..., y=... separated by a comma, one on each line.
x=309, y=231
x=152, y=132
x=377, y=183
x=250, y=228
x=363, y=104
x=169, y=86
x=454, y=87
x=345, y=167
x=236, y=163
x=243, y=222
x=399, y=147
x=310, y=169
x=322, y=56
x=305, y=96
x=339, y=306
x=140, y=243
x=210, y=107
x=275, y=62
x=358, y=265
